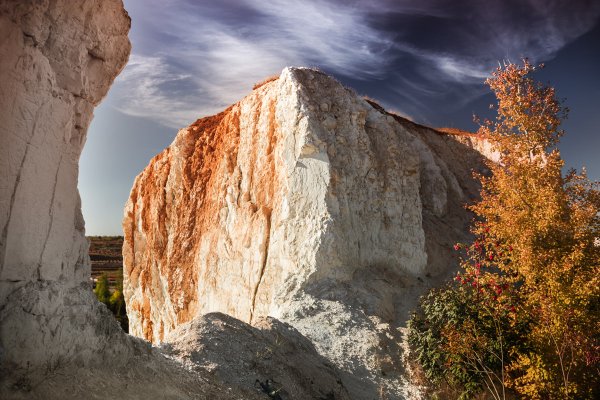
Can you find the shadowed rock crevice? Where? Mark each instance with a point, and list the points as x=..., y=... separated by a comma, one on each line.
x=267, y=215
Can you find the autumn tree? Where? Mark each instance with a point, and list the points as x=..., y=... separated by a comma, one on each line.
x=536, y=254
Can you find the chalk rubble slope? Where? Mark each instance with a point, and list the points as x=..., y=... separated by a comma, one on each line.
x=307, y=203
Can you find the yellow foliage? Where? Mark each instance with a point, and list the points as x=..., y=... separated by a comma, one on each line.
x=551, y=225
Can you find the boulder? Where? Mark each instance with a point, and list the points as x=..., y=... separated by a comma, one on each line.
x=306, y=203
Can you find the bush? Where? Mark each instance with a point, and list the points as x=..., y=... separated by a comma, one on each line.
x=115, y=301
x=461, y=342
x=102, y=290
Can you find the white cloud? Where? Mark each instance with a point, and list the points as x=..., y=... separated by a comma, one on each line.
x=140, y=91
x=220, y=63
x=202, y=56
x=460, y=70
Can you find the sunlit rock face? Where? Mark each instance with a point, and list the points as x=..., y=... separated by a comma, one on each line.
x=303, y=202
x=246, y=205
x=57, y=61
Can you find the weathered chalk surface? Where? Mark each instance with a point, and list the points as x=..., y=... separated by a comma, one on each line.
x=306, y=203
x=58, y=59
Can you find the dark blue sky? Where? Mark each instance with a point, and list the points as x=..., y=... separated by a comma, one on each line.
x=424, y=59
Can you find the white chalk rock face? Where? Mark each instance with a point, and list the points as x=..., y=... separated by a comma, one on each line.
x=306, y=203
x=57, y=60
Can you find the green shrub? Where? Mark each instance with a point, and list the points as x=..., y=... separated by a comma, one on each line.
x=461, y=342
x=102, y=290
x=115, y=301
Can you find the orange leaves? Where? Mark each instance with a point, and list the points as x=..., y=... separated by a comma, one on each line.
x=523, y=311
x=550, y=224
x=529, y=114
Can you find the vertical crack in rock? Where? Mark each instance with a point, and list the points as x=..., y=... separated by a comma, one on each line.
x=11, y=205
x=3, y=240
x=269, y=198
x=51, y=216
x=268, y=214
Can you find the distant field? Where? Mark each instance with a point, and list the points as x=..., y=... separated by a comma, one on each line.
x=106, y=257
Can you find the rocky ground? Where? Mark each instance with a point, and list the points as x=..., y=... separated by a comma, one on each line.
x=270, y=356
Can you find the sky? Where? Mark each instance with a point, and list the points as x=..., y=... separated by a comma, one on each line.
x=424, y=59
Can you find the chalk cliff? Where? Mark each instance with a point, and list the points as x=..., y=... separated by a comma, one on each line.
x=303, y=202
x=58, y=59
x=304, y=210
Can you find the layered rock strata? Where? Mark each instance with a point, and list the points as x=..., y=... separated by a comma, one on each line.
x=306, y=203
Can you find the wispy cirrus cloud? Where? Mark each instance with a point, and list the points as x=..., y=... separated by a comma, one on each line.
x=150, y=86
x=192, y=58
x=214, y=53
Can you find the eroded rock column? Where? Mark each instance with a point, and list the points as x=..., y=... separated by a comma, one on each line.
x=58, y=59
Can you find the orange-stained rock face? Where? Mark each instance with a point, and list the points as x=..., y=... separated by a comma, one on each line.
x=303, y=202
x=179, y=206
